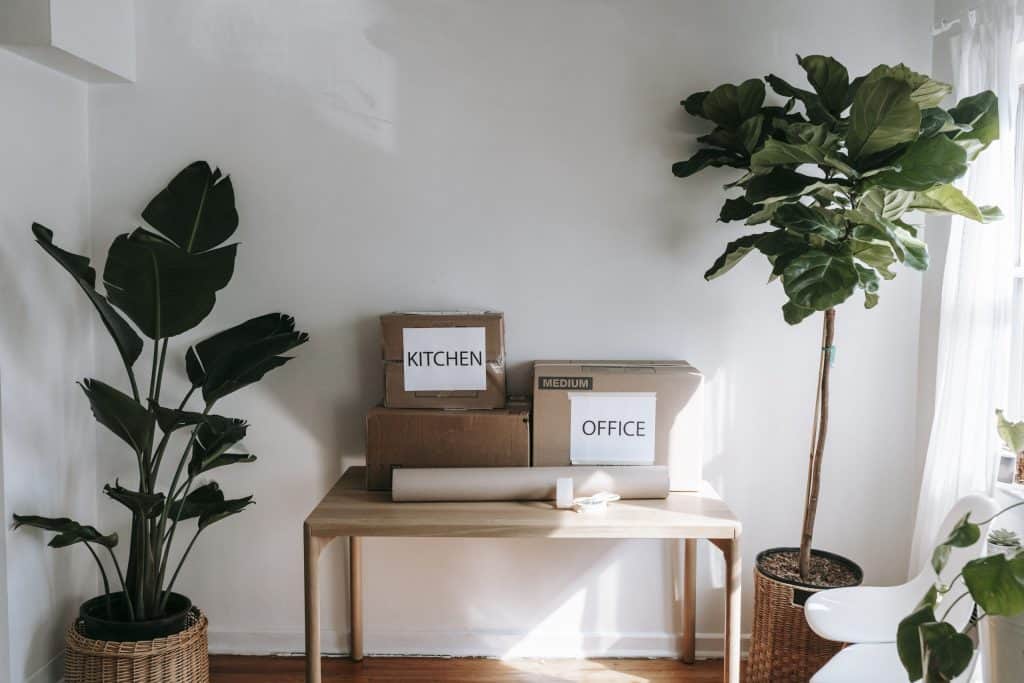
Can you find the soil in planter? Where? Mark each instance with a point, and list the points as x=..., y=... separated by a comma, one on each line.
x=826, y=572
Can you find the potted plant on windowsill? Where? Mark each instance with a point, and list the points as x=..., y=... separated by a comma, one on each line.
x=830, y=173
x=166, y=283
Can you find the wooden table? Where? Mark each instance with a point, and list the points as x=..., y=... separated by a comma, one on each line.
x=350, y=510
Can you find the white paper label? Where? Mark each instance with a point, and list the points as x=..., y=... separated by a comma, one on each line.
x=612, y=428
x=444, y=358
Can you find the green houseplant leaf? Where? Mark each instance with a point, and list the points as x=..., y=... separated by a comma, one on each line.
x=830, y=80
x=820, y=280
x=146, y=505
x=948, y=199
x=1012, y=433
x=196, y=210
x=68, y=531
x=119, y=413
x=164, y=289
x=926, y=163
x=979, y=115
x=729, y=105
x=129, y=344
x=947, y=651
x=882, y=116
x=997, y=583
x=214, y=438
x=241, y=355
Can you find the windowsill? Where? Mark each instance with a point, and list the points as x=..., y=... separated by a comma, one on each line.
x=1015, y=490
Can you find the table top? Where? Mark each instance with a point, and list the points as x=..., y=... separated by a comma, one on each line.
x=349, y=509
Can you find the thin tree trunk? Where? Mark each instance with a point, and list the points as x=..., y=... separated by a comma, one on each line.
x=818, y=436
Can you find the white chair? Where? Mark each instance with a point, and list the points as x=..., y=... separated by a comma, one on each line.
x=868, y=616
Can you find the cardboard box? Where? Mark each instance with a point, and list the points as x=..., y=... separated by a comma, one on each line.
x=443, y=360
x=401, y=437
x=600, y=413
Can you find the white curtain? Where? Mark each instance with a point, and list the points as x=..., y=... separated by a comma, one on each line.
x=977, y=287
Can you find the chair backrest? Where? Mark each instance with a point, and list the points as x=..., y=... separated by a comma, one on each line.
x=981, y=508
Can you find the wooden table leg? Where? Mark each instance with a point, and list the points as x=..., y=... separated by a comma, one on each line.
x=355, y=560
x=733, y=606
x=689, y=600
x=311, y=559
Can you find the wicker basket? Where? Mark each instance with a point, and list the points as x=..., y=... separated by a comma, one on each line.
x=181, y=658
x=783, y=648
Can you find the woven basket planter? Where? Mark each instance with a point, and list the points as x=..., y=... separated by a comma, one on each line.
x=180, y=658
x=783, y=648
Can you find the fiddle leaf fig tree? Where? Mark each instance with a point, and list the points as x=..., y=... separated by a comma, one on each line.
x=828, y=178
x=162, y=284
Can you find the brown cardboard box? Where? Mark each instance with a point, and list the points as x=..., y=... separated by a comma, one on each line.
x=400, y=390
x=400, y=437
x=616, y=401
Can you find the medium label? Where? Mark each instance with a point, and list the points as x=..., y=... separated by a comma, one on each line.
x=444, y=358
x=612, y=428
x=566, y=383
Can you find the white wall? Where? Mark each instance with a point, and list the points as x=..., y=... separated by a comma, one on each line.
x=391, y=155
x=47, y=437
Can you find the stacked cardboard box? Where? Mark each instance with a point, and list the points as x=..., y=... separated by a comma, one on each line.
x=444, y=397
x=620, y=413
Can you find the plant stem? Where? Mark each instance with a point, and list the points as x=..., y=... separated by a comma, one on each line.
x=170, y=534
x=152, y=371
x=160, y=371
x=1006, y=509
x=103, y=573
x=953, y=604
x=124, y=586
x=181, y=563
x=818, y=443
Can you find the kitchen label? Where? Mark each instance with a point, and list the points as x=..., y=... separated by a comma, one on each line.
x=612, y=428
x=444, y=358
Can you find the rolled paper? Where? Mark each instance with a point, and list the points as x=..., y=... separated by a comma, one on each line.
x=454, y=484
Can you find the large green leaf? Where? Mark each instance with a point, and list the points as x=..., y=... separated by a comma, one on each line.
x=207, y=503
x=817, y=112
x=926, y=163
x=808, y=220
x=729, y=105
x=964, y=534
x=935, y=120
x=947, y=652
x=829, y=78
x=164, y=289
x=981, y=113
x=196, y=210
x=213, y=440
x=781, y=182
x=924, y=91
x=694, y=104
x=777, y=153
x=794, y=313
x=908, y=639
x=819, y=279
x=882, y=116
x=241, y=355
x=876, y=253
x=887, y=204
x=1012, y=433
x=997, y=583
x=733, y=254
x=737, y=210
x=129, y=344
x=867, y=279
x=121, y=414
x=146, y=505
x=704, y=158
x=68, y=531
x=947, y=199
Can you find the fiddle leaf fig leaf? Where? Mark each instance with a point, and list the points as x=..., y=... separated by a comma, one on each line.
x=729, y=105
x=829, y=78
x=935, y=120
x=733, y=254
x=196, y=210
x=807, y=220
x=68, y=531
x=997, y=583
x=794, y=313
x=882, y=116
x=128, y=343
x=781, y=182
x=817, y=112
x=164, y=289
x=694, y=104
x=867, y=279
x=737, y=209
x=119, y=413
x=926, y=163
x=241, y=355
x=1012, y=433
x=886, y=204
x=820, y=280
x=980, y=113
x=707, y=157
x=946, y=199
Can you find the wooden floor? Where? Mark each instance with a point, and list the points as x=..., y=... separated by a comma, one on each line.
x=227, y=669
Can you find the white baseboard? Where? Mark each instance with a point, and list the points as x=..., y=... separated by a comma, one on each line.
x=51, y=672
x=472, y=644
